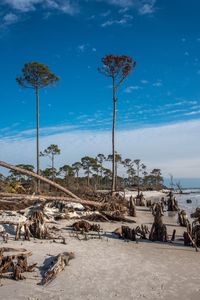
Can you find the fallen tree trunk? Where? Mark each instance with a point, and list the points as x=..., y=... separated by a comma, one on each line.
x=29, y=173
x=50, y=198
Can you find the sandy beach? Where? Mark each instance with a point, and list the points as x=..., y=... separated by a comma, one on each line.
x=110, y=268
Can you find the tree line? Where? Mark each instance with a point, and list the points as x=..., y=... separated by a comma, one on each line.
x=93, y=172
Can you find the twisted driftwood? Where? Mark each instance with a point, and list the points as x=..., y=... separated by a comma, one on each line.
x=16, y=264
x=57, y=265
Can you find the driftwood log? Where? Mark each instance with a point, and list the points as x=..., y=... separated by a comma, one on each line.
x=57, y=265
x=117, y=216
x=19, y=197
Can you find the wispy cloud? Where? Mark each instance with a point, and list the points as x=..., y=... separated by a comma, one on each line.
x=132, y=88
x=105, y=14
x=158, y=83
x=85, y=47
x=147, y=8
x=144, y=7
x=150, y=144
x=144, y=81
x=114, y=22
x=24, y=6
x=9, y=19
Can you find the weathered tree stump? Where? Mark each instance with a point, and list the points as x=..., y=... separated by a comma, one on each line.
x=132, y=208
x=158, y=229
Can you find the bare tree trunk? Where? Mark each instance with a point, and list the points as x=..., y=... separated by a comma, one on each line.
x=138, y=180
x=37, y=136
x=113, y=139
x=116, y=175
x=44, y=179
x=88, y=178
x=52, y=166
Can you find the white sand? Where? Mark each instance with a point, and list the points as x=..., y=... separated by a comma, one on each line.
x=112, y=269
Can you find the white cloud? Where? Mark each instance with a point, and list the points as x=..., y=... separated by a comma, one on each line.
x=144, y=7
x=166, y=147
x=25, y=6
x=147, y=8
x=132, y=88
x=85, y=47
x=114, y=22
x=144, y=81
x=82, y=47
x=122, y=3
x=158, y=83
x=9, y=19
x=192, y=113
x=123, y=10
x=105, y=14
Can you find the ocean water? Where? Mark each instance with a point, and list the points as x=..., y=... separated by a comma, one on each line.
x=193, y=195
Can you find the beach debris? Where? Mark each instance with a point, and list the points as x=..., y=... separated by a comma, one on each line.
x=173, y=235
x=132, y=208
x=182, y=218
x=192, y=236
x=158, y=230
x=95, y=217
x=127, y=233
x=15, y=264
x=140, y=200
x=188, y=240
x=196, y=214
x=172, y=202
x=113, y=206
x=188, y=201
x=148, y=203
x=85, y=226
x=57, y=265
x=117, y=216
x=37, y=225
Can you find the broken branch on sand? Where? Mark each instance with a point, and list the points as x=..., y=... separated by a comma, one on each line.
x=57, y=265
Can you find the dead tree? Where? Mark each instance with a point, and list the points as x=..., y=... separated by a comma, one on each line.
x=37, y=226
x=158, y=229
x=183, y=218
x=171, y=202
x=132, y=208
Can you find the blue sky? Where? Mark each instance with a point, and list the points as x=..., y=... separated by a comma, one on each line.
x=71, y=37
